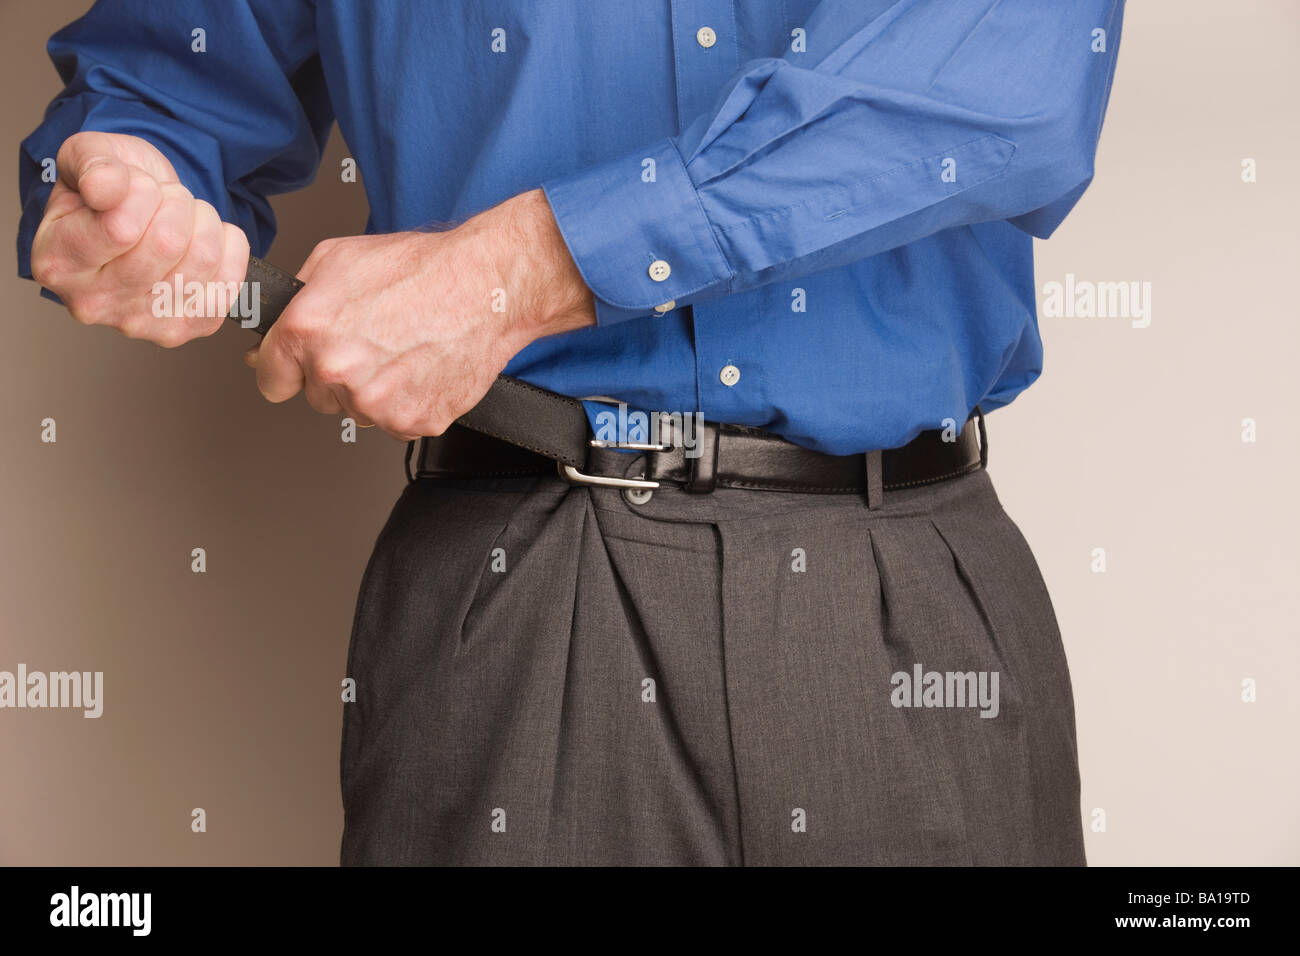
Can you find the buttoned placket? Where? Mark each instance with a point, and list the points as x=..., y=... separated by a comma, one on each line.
x=706, y=54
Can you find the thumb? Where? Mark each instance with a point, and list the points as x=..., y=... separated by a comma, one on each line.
x=89, y=165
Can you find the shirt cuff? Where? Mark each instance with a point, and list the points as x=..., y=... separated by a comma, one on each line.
x=639, y=236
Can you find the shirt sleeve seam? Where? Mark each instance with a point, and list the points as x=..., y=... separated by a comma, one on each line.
x=820, y=197
x=699, y=204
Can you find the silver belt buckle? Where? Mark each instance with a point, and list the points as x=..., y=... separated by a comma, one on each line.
x=573, y=476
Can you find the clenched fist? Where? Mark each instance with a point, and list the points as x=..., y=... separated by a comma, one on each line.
x=117, y=223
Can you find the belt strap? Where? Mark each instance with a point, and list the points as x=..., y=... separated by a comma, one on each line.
x=542, y=421
x=724, y=456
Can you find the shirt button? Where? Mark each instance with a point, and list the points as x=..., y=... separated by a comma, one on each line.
x=729, y=375
x=666, y=307
x=660, y=270
x=705, y=37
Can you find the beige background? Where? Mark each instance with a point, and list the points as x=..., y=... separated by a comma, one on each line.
x=222, y=689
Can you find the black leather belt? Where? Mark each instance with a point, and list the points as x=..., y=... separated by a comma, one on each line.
x=518, y=429
x=731, y=457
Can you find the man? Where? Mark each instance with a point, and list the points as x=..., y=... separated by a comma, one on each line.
x=787, y=623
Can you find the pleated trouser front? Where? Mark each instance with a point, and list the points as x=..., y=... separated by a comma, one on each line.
x=550, y=674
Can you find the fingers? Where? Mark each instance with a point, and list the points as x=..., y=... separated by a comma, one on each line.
x=279, y=373
x=323, y=393
x=326, y=399
x=280, y=376
x=161, y=246
x=108, y=190
x=385, y=401
x=201, y=261
x=322, y=398
x=206, y=262
x=84, y=240
x=348, y=403
x=234, y=254
x=62, y=201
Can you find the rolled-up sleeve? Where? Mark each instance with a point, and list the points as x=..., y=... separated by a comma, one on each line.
x=887, y=128
x=231, y=93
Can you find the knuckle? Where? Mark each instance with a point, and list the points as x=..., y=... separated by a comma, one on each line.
x=168, y=242
x=412, y=420
x=170, y=336
x=145, y=189
x=123, y=227
x=204, y=258
x=175, y=192
x=45, y=268
x=132, y=328
x=435, y=422
x=88, y=308
x=296, y=335
x=403, y=423
x=332, y=369
x=203, y=326
x=371, y=397
x=235, y=235
x=81, y=315
x=278, y=346
x=325, y=403
x=298, y=317
x=325, y=251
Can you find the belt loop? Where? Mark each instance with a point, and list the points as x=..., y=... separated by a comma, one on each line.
x=875, y=480
x=410, y=450
x=702, y=472
x=984, y=440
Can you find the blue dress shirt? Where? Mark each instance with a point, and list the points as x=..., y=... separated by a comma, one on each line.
x=811, y=217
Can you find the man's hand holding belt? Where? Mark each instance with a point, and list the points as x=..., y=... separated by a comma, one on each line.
x=409, y=330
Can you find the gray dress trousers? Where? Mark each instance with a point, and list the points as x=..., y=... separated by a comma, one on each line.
x=550, y=674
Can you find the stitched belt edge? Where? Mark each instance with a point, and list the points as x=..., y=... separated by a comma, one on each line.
x=463, y=454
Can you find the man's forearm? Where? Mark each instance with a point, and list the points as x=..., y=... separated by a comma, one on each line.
x=545, y=293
